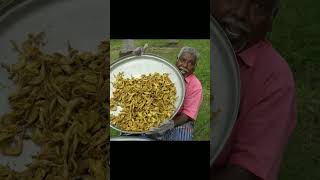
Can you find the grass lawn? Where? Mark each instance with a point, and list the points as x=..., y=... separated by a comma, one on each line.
x=296, y=36
x=160, y=47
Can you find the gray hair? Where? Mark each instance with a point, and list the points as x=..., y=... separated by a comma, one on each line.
x=189, y=50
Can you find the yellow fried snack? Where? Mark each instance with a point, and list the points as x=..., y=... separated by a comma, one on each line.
x=146, y=102
x=63, y=100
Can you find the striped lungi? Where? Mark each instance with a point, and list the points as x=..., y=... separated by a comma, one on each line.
x=180, y=133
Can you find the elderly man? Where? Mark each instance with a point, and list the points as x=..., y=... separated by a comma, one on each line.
x=180, y=128
x=267, y=114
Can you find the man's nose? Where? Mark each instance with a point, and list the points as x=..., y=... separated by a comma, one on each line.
x=241, y=12
x=184, y=64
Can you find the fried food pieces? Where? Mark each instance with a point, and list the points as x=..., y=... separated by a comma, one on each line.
x=146, y=102
x=63, y=100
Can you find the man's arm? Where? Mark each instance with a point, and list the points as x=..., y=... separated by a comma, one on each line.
x=232, y=172
x=180, y=119
x=191, y=105
x=261, y=134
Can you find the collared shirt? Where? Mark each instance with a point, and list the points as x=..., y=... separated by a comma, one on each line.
x=267, y=114
x=192, y=98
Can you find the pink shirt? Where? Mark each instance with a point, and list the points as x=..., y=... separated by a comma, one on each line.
x=267, y=114
x=193, y=97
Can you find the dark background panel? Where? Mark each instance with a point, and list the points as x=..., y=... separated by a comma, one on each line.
x=165, y=19
x=160, y=160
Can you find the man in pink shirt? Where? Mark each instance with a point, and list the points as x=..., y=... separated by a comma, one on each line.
x=267, y=114
x=180, y=128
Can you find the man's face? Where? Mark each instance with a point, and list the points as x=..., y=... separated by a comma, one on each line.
x=244, y=21
x=186, y=64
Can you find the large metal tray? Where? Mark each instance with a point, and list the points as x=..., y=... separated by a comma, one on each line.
x=225, y=89
x=130, y=138
x=136, y=66
x=83, y=23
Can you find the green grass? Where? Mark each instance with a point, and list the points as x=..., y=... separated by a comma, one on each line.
x=159, y=47
x=296, y=36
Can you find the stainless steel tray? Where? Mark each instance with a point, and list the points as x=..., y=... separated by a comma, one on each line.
x=130, y=138
x=225, y=88
x=138, y=65
x=84, y=23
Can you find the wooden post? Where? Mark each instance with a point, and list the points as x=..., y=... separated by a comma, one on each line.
x=127, y=47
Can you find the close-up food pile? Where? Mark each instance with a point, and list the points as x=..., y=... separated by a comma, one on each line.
x=61, y=103
x=145, y=102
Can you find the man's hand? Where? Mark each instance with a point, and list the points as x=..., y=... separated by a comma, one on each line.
x=164, y=127
x=181, y=118
x=178, y=120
